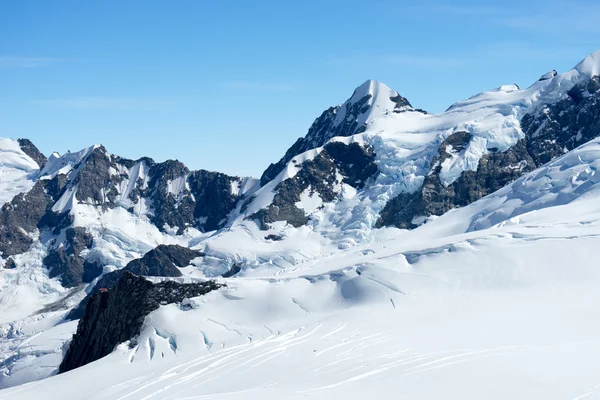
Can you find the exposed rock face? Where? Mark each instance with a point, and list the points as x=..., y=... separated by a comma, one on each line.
x=117, y=315
x=162, y=261
x=173, y=197
x=214, y=197
x=562, y=126
x=19, y=219
x=94, y=181
x=66, y=260
x=495, y=170
x=29, y=148
x=330, y=125
x=173, y=206
x=355, y=164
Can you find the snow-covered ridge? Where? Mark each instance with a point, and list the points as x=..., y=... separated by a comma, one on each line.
x=406, y=143
x=18, y=171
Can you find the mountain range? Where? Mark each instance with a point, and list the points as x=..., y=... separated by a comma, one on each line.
x=384, y=222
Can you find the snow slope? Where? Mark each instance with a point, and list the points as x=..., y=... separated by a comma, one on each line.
x=17, y=170
x=507, y=310
x=500, y=313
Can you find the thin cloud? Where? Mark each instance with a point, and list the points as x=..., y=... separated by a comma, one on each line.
x=473, y=11
x=26, y=62
x=257, y=86
x=558, y=18
x=425, y=61
x=406, y=60
x=107, y=103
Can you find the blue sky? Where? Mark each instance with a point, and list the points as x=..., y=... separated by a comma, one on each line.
x=229, y=85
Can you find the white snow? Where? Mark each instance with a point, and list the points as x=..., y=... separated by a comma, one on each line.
x=498, y=313
x=309, y=201
x=18, y=171
x=58, y=164
x=380, y=102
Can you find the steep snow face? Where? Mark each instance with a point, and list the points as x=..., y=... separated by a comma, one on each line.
x=406, y=143
x=18, y=171
x=590, y=66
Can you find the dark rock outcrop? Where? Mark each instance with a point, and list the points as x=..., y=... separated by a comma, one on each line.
x=214, y=199
x=66, y=261
x=114, y=316
x=29, y=148
x=170, y=209
x=204, y=201
x=162, y=261
x=495, y=170
x=19, y=219
x=562, y=126
x=94, y=180
x=353, y=162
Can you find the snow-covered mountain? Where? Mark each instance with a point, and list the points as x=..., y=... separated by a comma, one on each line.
x=375, y=251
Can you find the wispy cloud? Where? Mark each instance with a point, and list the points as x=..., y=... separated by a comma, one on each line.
x=424, y=61
x=557, y=18
x=405, y=60
x=492, y=53
x=574, y=17
x=460, y=10
x=107, y=103
x=26, y=62
x=257, y=86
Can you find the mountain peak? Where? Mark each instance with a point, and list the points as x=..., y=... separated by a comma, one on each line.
x=590, y=65
x=369, y=101
x=375, y=99
x=372, y=88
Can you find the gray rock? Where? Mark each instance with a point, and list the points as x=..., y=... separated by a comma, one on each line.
x=114, y=316
x=29, y=148
x=19, y=219
x=94, y=180
x=164, y=260
x=562, y=126
x=213, y=198
x=495, y=170
x=353, y=162
x=65, y=260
